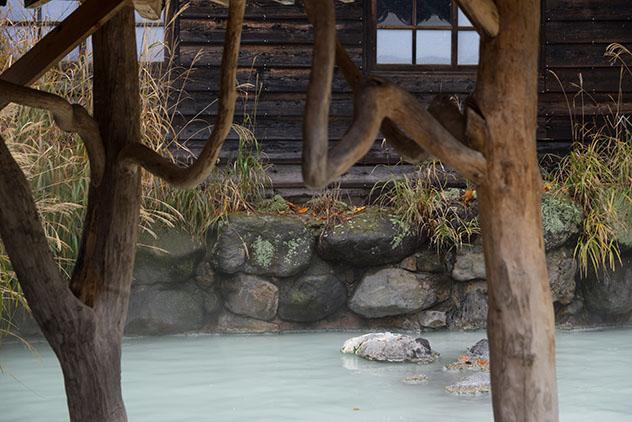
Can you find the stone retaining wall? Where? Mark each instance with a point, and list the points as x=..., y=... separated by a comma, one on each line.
x=277, y=273
x=273, y=273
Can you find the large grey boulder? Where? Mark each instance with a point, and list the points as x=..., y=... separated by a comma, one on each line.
x=155, y=311
x=312, y=296
x=262, y=245
x=469, y=263
x=562, y=268
x=171, y=257
x=251, y=296
x=388, y=347
x=394, y=291
x=369, y=239
x=609, y=292
x=469, y=306
x=561, y=219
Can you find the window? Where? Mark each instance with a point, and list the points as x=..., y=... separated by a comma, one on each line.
x=23, y=27
x=432, y=33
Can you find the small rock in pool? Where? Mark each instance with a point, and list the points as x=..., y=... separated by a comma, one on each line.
x=389, y=347
x=474, y=384
x=476, y=358
x=416, y=379
x=480, y=349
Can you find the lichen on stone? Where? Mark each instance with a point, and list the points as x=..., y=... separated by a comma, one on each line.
x=294, y=247
x=263, y=252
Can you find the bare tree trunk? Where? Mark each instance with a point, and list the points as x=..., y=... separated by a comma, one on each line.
x=103, y=274
x=521, y=321
x=84, y=323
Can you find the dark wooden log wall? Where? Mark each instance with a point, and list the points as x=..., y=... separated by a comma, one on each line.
x=274, y=71
x=575, y=36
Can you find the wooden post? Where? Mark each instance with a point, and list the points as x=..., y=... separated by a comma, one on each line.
x=521, y=326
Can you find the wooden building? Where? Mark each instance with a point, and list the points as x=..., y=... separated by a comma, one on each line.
x=426, y=46
x=276, y=56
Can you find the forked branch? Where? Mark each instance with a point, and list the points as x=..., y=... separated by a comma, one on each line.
x=483, y=14
x=68, y=117
x=201, y=168
x=375, y=102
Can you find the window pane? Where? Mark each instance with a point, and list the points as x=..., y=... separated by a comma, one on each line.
x=394, y=12
x=56, y=11
x=463, y=20
x=150, y=43
x=434, y=12
x=15, y=11
x=394, y=46
x=434, y=47
x=468, y=47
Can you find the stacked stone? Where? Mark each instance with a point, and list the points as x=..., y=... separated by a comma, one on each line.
x=270, y=273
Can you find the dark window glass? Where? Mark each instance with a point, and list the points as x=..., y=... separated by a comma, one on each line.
x=434, y=12
x=394, y=12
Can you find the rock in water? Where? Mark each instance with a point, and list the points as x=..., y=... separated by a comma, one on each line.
x=476, y=358
x=416, y=379
x=480, y=349
x=474, y=384
x=389, y=347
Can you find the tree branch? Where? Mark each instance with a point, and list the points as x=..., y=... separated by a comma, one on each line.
x=483, y=14
x=52, y=303
x=88, y=17
x=375, y=101
x=406, y=147
x=196, y=173
x=68, y=117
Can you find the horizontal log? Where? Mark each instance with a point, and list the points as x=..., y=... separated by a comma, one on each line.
x=560, y=104
x=289, y=176
x=286, y=152
x=256, y=55
x=279, y=79
x=599, y=80
x=252, y=80
x=575, y=55
x=207, y=31
x=586, y=9
x=272, y=127
x=270, y=104
x=588, y=32
x=265, y=9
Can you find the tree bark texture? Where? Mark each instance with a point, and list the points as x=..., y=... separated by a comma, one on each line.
x=521, y=326
x=83, y=320
x=103, y=274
